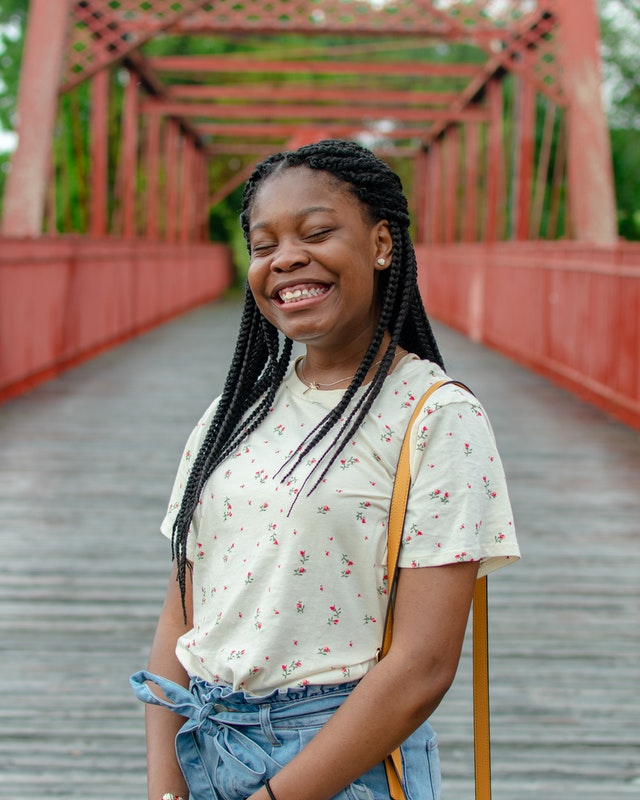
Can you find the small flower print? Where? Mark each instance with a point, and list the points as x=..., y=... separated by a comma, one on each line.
x=256, y=620
x=345, y=463
x=290, y=669
x=235, y=655
x=227, y=509
x=438, y=494
x=487, y=487
x=300, y=607
x=324, y=651
x=248, y=579
x=467, y=449
x=279, y=429
x=303, y=560
x=360, y=514
x=499, y=538
x=461, y=556
x=334, y=618
x=346, y=572
x=387, y=434
x=369, y=619
x=408, y=402
x=187, y=455
x=200, y=552
x=323, y=509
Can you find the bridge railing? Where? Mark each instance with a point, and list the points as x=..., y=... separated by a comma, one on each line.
x=64, y=299
x=569, y=310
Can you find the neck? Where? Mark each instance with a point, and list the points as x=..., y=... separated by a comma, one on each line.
x=339, y=376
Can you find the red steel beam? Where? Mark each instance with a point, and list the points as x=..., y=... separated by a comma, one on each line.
x=285, y=130
x=310, y=94
x=525, y=149
x=593, y=207
x=494, y=158
x=99, y=154
x=26, y=187
x=152, y=152
x=226, y=64
x=129, y=159
x=472, y=158
x=451, y=144
x=284, y=111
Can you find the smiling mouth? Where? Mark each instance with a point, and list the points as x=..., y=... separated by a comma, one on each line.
x=294, y=294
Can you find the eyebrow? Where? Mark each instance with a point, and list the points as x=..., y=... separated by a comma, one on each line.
x=304, y=212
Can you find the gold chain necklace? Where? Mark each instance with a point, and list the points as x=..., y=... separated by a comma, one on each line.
x=315, y=385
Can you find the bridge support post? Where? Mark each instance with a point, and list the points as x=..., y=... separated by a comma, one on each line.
x=44, y=49
x=590, y=172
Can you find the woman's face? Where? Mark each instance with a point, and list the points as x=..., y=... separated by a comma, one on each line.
x=313, y=266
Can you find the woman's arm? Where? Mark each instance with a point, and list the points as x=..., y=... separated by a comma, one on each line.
x=430, y=617
x=163, y=771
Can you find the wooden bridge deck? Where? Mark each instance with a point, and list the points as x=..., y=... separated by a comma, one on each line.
x=86, y=464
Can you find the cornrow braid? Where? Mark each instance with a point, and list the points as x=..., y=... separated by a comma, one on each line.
x=262, y=356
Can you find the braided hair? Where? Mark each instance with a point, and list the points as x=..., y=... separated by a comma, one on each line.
x=262, y=355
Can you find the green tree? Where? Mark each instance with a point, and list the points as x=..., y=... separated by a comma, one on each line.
x=620, y=28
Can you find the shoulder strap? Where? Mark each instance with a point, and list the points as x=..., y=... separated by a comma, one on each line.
x=399, y=498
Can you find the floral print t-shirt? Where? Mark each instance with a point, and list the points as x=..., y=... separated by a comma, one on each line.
x=291, y=593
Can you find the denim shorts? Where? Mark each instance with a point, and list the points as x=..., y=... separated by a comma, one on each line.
x=232, y=741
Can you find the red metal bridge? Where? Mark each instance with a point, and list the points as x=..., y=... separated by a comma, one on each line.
x=490, y=110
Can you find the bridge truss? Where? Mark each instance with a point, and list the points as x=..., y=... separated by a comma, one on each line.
x=490, y=109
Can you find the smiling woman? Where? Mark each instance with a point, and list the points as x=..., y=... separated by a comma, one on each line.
x=266, y=645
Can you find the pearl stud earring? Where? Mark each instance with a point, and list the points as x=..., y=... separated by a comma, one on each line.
x=380, y=262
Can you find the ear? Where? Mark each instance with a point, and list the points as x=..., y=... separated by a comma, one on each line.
x=383, y=245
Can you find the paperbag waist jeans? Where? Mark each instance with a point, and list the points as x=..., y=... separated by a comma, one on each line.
x=233, y=741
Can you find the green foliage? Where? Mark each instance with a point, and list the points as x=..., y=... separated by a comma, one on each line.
x=13, y=15
x=620, y=31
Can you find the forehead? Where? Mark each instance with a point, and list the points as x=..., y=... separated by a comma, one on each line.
x=303, y=185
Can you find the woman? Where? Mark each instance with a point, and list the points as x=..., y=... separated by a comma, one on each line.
x=278, y=516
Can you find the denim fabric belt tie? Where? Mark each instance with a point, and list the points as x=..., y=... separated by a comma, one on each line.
x=220, y=713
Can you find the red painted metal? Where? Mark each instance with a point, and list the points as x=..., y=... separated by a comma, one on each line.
x=92, y=294
x=99, y=153
x=152, y=150
x=25, y=192
x=129, y=158
x=495, y=159
x=524, y=151
x=568, y=310
x=593, y=208
x=451, y=156
x=232, y=64
x=470, y=206
x=172, y=165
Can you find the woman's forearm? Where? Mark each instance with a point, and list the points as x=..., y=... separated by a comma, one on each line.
x=162, y=725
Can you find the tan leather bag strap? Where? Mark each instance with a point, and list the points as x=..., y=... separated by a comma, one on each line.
x=481, y=732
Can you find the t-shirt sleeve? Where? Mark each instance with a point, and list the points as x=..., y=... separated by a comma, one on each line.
x=194, y=442
x=459, y=508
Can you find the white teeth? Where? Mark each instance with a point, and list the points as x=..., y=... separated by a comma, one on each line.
x=291, y=295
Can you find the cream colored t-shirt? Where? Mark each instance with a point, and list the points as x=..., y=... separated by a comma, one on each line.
x=287, y=594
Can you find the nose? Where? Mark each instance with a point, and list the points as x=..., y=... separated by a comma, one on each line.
x=289, y=255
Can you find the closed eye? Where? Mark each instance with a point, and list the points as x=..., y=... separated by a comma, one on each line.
x=318, y=235
x=261, y=249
